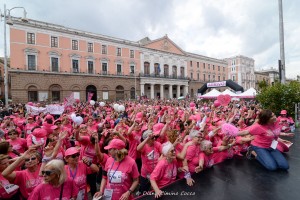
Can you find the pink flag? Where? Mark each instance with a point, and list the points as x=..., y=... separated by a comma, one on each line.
x=90, y=95
x=69, y=101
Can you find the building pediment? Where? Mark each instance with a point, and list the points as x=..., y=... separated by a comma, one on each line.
x=164, y=44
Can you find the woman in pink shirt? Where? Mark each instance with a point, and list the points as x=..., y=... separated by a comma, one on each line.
x=29, y=126
x=265, y=142
x=27, y=179
x=165, y=171
x=18, y=144
x=150, y=151
x=78, y=170
x=7, y=190
x=120, y=175
x=56, y=183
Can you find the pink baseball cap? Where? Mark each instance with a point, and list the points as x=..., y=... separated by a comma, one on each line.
x=71, y=151
x=115, y=144
x=283, y=112
x=48, y=116
x=54, y=127
x=157, y=128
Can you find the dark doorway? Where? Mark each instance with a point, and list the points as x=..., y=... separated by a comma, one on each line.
x=91, y=89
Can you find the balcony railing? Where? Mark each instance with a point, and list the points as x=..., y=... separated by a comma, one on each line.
x=153, y=75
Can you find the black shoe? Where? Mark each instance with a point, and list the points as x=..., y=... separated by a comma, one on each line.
x=249, y=154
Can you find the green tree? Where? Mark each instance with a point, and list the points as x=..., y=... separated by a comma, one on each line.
x=280, y=97
x=262, y=85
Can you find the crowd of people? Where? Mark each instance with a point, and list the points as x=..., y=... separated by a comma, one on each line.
x=143, y=147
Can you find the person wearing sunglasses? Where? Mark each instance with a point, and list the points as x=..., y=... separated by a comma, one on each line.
x=120, y=174
x=56, y=184
x=78, y=170
x=18, y=144
x=7, y=190
x=165, y=171
x=26, y=179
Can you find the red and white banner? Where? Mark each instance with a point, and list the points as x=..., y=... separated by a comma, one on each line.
x=216, y=84
x=69, y=101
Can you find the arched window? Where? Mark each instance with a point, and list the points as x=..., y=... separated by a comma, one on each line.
x=119, y=92
x=55, y=92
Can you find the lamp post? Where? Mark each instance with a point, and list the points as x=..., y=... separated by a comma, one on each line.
x=281, y=39
x=9, y=22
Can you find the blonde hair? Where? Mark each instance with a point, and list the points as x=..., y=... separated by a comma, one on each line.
x=59, y=168
x=172, y=135
x=120, y=154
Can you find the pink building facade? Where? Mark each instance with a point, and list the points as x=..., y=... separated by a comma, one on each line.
x=49, y=62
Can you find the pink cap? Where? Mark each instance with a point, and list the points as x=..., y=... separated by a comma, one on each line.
x=48, y=116
x=283, y=112
x=54, y=127
x=71, y=151
x=115, y=144
x=157, y=128
x=39, y=132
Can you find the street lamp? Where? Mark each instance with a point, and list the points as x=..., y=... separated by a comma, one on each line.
x=9, y=22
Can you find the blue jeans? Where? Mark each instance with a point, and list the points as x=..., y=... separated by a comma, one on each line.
x=271, y=159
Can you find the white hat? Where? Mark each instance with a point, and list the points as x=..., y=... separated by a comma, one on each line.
x=166, y=147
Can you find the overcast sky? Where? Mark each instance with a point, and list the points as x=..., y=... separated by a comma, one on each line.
x=215, y=28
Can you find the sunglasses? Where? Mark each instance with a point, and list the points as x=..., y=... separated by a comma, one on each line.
x=47, y=173
x=28, y=159
x=13, y=134
x=75, y=155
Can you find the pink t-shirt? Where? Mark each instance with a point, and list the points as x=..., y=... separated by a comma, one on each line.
x=134, y=140
x=79, y=176
x=120, y=176
x=164, y=173
x=29, y=127
x=88, y=149
x=19, y=144
x=264, y=134
x=10, y=192
x=48, y=192
x=27, y=181
x=150, y=157
x=192, y=157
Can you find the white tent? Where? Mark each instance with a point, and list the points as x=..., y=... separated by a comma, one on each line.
x=212, y=94
x=250, y=93
x=229, y=93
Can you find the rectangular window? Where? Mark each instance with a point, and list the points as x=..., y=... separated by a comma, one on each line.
x=31, y=62
x=214, y=77
x=55, y=95
x=104, y=49
x=203, y=65
x=198, y=77
x=203, y=77
x=90, y=47
x=54, y=64
x=90, y=67
x=208, y=77
x=118, y=51
x=213, y=67
x=197, y=64
x=233, y=78
x=191, y=63
x=30, y=38
x=75, y=66
x=105, y=95
x=218, y=68
x=219, y=78
x=131, y=69
x=104, y=68
x=223, y=69
x=119, y=69
x=74, y=45
x=208, y=66
x=192, y=76
x=32, y=96
x=131, y=53
x=54, y=41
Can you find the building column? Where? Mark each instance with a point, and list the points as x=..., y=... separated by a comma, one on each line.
x=161, y=91
x=170, y=92
x=152, y=90
x=142, y=89
x=186, y=90
x=178, y=91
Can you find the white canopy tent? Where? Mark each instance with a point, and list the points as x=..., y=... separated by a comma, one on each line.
x=250, y=93
x=210, y=95
x=229, y=93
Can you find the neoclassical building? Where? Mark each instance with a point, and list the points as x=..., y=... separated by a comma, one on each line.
x=48, y=62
